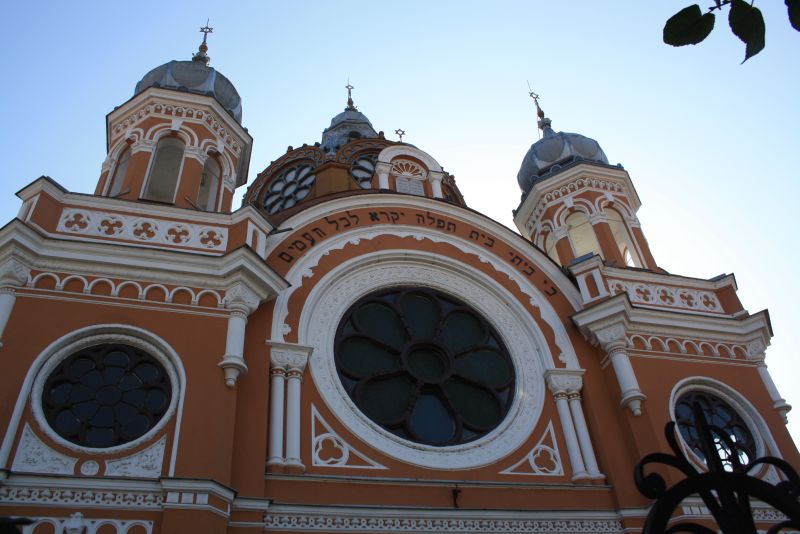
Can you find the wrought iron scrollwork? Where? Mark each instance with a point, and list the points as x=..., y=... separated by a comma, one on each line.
x=726, y=487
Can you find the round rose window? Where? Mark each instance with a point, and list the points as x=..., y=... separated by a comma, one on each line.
x=106, y=395
x=424, y=366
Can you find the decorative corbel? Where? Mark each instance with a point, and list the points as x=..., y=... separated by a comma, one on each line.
x=13, y=274
x=612, y=339
x=241, y=301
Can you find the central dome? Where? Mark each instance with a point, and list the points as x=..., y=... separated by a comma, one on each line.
x=554, y=149
x=347, y=126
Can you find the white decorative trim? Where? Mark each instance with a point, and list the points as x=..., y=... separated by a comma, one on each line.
x=764, y=441
x=90, y=468
x=342, y=286
x=149, y=230
x=322, y=435
x=305, y=265
x=667, y=296
x=77, y=523
x=296, y=518
x=14, y=273
x=88, y=336
x=68, y=497
x=241, y=297
x=143, y=464
x=547, y=448
x=33, y=456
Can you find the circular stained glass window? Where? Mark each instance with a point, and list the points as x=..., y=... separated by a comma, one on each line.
x=289, y=188
x=424, y=366
x=730, y=432
x=363, y=168
x=106, y=395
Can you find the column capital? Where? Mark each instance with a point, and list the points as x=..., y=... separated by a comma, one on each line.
x=756, y=350
x=612, y=337
x=289, y=356
x=564, y=381
x=435, y=176
x=383, y=166
x=239, y=297
x=14, y=273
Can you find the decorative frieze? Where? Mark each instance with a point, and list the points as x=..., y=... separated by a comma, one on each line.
x=667, y=296
x=33, y=456
x=146, y=463
x=147, y=230
x=331, y=450
x=543, y=460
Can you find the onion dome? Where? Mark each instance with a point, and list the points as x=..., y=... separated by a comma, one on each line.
x=196, y=77
x=554, y=150
x=347, y=126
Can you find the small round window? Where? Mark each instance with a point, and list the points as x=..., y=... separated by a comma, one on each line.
x=723, y=420
x=424, y=366
x=289, y=188
x=106, y=395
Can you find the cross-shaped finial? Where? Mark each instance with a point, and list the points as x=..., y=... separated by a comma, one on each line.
x=401, y=133
x=206, y=30
x=349, y=95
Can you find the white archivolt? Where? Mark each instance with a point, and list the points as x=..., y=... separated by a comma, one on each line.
x=348, y=282
x=305, y=265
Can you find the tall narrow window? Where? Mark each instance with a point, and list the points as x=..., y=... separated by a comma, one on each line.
x=209, y=185
x=622, y=238
x=582, y=236
x=550, y=247
x=165, y=170
x=119, y=172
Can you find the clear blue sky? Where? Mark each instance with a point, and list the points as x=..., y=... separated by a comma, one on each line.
x=710, y=144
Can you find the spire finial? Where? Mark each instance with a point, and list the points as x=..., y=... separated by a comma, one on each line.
x=201, y=54
x=400, y=132
x=543, y=121
x=349, y=95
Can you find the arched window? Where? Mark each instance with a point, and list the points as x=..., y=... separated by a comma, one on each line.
x=119, y=172
x=165, y=170
x=622, y=238
x=582, y=236
x=550, y=247
x=209, y=185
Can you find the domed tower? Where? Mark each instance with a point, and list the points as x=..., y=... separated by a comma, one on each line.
x=179, y=141
x=351, y=158
x=574, y=203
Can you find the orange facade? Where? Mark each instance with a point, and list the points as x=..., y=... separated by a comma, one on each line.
x=354, y=349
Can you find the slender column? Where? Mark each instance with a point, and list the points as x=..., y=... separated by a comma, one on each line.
x=13, y=274
x=561, y=382
x=563, y=245
x=436, y=183
x=288, y=361
x=613, y=341
x=383, y=169
x=294, y=378
x=756, y=351
x=278, y=378
x=242, y=301
x=585, y=441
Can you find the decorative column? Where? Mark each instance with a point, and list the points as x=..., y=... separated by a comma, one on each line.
x=287, y=363
x=755, y=351
x=383, y=169
x=612, y=339
x=561, y=383
x=563, y=246
x=435, y=178
x=585, y=441
x=13, y=274
x=242, y=301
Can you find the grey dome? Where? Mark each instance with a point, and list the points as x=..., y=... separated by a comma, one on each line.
x=194, y=77
x=347, y=126
x=554, y=148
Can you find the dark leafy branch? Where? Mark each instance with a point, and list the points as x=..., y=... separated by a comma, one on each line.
x=690, y=25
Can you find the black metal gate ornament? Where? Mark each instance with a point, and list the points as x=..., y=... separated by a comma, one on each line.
x=726, y=490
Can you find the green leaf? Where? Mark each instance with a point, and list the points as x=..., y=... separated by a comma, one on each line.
x=747, y=24
x=688, y=26
x=793, y=6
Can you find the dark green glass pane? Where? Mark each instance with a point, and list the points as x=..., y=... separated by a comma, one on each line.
x=462, y=330
x=104, y=417
x=477, y=406
x=486, y=367
x=60, y=393
x=147, y=372
x=386, y=400
x=156, y=401
x=81, y=393
x=85, y=410
x=381, y=322
x=111, y=375
x=135, y=397
x=421, y=315
x=66, y=423
x=93, y=379
x=100, y=437
x=80, y=367
x=427, y=364
x=135, y=427
x=431, y=421
x=116, y=358
x=361, y=358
